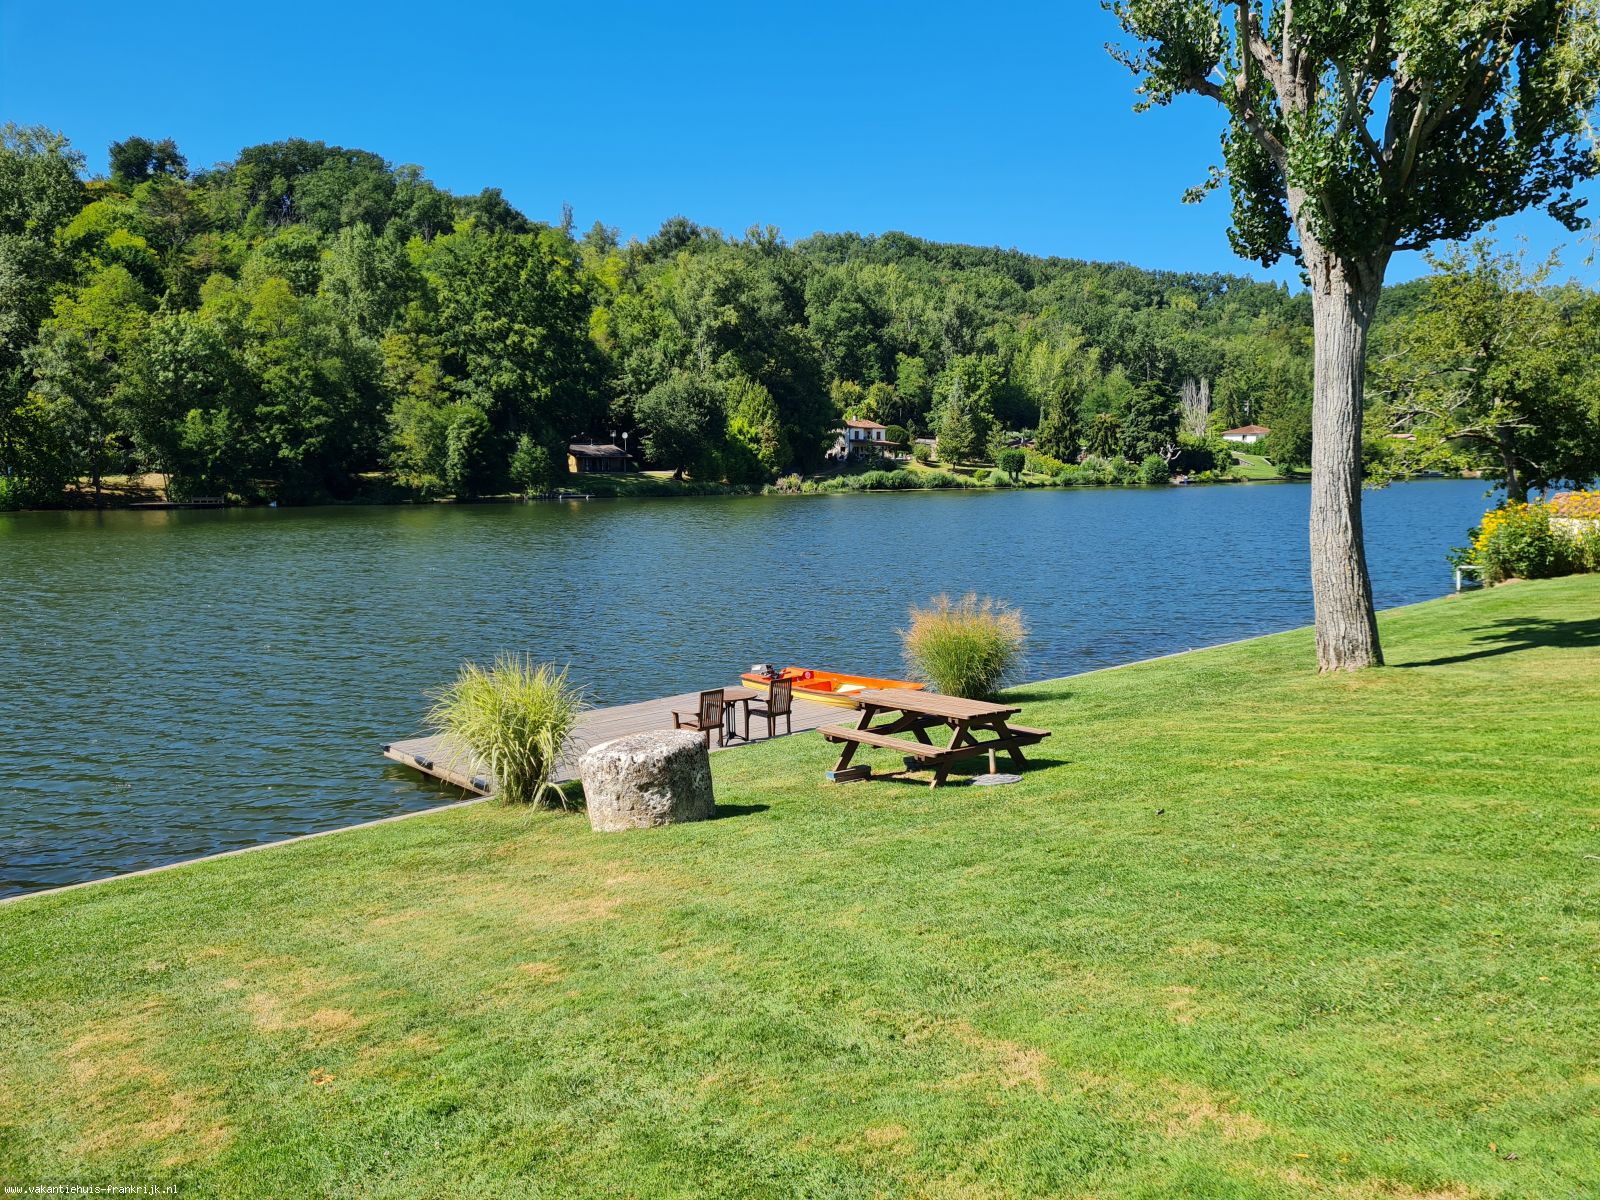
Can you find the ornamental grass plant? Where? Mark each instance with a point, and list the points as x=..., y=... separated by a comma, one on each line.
x=966, y=647
x=515, y=719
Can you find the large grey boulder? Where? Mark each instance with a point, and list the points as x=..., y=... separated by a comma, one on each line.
x=657, y=778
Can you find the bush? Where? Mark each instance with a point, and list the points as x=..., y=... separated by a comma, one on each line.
x=1154, y=470
x=1586, y=548
x=1526, y=541
x=1197, y=456
x=940, y=479
x=532, y=467
x=602, y=483
x=1012, y=462
x=897, y=433
x=966, y=648
x=1123, y=472
x=515, y=720
x=1092, y=472
x=1517, y=541
x=922, y=452
x=1041, y=463
x=888, y=481
x=1102, y=471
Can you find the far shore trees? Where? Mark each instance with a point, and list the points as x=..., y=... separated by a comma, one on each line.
x=1356, y=130
x=310, y=322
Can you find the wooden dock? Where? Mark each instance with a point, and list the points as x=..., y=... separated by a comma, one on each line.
x=437, y=757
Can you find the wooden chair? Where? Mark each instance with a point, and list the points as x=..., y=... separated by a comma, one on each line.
x=706, y=719
x=780, y=703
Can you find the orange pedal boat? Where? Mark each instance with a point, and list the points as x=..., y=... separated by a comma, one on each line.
x=828, y=687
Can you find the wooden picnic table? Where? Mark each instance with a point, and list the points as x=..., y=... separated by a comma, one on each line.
x=914, y=712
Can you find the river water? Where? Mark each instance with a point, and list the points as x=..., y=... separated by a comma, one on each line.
x=194, y=681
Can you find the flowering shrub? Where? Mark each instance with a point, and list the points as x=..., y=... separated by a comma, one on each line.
x=1521, y=541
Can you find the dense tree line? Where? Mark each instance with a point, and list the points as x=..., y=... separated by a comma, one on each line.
x=299, y=320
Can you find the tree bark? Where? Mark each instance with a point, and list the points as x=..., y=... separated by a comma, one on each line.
x=1516, y=490
x=1343, y=299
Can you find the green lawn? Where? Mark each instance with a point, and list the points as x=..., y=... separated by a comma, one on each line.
x=1254, y=466
x=1242, y=932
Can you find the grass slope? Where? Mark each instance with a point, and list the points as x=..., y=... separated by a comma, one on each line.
x=1244, y=932
x=1254, y=466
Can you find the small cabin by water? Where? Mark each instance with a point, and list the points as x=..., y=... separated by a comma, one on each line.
x=584, y=458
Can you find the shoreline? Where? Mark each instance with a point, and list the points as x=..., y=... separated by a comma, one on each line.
x=440, y=808
x=691, y=491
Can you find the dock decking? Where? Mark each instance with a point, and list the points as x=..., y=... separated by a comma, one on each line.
x=437, y=757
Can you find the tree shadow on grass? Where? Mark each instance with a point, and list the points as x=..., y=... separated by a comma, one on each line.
x=1034, y=694
x=738, y=810
x=1521, y=633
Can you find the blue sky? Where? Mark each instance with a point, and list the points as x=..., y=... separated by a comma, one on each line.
x=1002, y=126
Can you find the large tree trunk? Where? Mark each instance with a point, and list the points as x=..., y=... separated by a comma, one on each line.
x=1343, y=300
x=1516, y=490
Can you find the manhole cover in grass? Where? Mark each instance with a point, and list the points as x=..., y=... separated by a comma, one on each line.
x=994, y=780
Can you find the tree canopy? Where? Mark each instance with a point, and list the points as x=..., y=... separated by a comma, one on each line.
x=308, y=318
x=1379, y=125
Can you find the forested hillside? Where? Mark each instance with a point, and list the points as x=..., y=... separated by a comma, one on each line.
x=289, y=323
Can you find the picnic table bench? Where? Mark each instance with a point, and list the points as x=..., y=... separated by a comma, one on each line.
x=914, y=713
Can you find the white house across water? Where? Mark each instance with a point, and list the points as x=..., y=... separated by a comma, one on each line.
x=860, y=438
x=1247, y=435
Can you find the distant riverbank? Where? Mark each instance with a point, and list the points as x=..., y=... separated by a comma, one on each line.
x=123, y=493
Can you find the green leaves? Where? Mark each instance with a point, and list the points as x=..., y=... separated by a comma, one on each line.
x=1180, y=45
x=685, y=419
x=1493, y=369
x=1366, y=127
